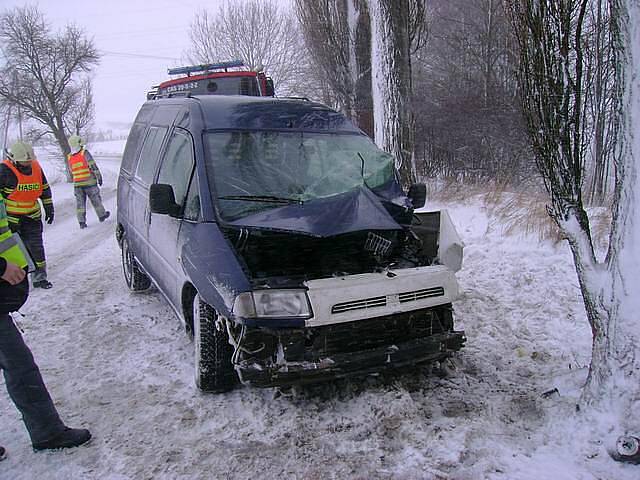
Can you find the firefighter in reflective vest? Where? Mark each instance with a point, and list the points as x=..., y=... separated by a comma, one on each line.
x=23, y=183
x=86, y=178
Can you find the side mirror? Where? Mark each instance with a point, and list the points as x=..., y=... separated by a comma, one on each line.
x=271, y=89
x=162, y=200
x=417, y=194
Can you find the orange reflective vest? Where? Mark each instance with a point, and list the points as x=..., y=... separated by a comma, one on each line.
x=79, y=167
x=24, y=199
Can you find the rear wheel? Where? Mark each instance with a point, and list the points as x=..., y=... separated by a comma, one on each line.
x=214, y=371
x=136, y=279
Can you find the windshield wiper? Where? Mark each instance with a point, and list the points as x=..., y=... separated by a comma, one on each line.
x=263, y=198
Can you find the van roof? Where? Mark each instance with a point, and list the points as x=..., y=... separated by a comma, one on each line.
x=244, y=112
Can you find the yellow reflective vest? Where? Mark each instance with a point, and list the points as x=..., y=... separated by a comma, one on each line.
x=9, y=247
x=80, y=170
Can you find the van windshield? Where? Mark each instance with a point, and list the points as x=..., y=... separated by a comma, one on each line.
x=253, y=171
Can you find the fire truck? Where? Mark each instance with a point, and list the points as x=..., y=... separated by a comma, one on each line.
x=223, y=78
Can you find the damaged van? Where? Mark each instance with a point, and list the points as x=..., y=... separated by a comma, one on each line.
x=280, y=235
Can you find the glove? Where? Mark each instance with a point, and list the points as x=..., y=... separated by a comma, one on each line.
x=100, y=181
x=48, y=216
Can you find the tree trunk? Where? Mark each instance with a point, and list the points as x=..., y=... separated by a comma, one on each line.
x=391, y=83
x=61, y=138
x=616, y=353
x=360, y=58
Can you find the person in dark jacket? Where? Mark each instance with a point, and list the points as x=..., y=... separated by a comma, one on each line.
x=86, y=181
x=23, y=183
x=22, y=376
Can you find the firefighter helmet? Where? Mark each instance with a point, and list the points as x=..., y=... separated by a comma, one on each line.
x=30, y=152
x=21, y=152
x=76, y=142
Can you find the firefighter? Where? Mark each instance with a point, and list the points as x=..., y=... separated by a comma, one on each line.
x=22, y=376
x=22, y=182
x=86, y=179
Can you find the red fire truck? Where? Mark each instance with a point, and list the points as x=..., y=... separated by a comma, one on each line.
x=224, y=78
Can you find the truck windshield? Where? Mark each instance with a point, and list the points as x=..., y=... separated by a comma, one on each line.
x=253, y=171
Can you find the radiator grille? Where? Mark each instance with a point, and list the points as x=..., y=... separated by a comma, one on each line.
x=359, y=304
x=382, y=301
x=420, y=294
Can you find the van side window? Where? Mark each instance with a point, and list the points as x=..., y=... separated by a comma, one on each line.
x=134, y=140
x=192, y=204
x=177, y=164
x=150, y=154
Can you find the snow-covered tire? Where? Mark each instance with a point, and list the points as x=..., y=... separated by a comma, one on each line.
x=135, y=278
x=214, y=371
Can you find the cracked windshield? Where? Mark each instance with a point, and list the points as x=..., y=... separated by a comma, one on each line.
x=255, y=171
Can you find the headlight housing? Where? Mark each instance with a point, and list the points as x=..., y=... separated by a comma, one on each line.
x=272, y=303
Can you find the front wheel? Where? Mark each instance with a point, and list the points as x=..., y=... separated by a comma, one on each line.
x=214, y=371
x=136, y=279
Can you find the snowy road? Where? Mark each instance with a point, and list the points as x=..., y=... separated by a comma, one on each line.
x=119, y=364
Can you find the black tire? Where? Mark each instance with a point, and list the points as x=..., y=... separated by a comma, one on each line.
x=135, y=278
x=214, y=371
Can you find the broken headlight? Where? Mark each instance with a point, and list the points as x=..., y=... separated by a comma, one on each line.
x=272, y=304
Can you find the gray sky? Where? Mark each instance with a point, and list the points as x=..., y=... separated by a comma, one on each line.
x=138, y=39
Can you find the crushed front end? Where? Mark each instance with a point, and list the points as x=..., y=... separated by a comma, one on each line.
x=353, y=325
x=288, y=356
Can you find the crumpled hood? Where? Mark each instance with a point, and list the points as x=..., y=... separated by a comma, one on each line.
x=357, y=210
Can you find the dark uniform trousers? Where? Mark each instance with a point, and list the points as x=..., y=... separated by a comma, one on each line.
x=25, y=385
x=30, y=231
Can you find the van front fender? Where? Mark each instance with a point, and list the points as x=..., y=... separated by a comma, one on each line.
x=212, y=267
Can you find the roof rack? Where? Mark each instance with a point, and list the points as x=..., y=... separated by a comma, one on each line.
x=157, y=95
x=208, y=67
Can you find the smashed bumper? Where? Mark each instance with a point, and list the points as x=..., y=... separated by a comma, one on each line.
x=412, y=352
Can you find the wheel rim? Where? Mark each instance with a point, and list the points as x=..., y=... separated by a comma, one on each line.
x=127, y=262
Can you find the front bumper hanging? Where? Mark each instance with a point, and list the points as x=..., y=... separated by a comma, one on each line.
x=267, y=373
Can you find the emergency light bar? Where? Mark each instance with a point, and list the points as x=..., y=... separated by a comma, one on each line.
x=205, y=67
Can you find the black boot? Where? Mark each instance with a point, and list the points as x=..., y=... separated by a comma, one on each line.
x=68, y=438
x=42, y=284
x=105, y=216
x=3, y=453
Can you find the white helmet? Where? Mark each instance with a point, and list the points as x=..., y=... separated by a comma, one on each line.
x=21, y=152
x=76, y=142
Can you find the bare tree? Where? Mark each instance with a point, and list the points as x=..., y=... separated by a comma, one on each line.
x=338, y=36
x=81, y=112
x=44, y=72
x=259, y=32
x=364, y=49
x=550, y=35
x=599, y=101
x=468, y=117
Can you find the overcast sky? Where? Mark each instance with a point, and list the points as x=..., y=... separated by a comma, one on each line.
x=138, y=41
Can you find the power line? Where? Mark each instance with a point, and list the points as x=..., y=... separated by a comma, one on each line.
x=137, y=55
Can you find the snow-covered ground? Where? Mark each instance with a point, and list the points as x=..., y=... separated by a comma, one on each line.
x=119, y=364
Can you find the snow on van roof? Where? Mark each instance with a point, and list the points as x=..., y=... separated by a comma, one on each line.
x=224, y=112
